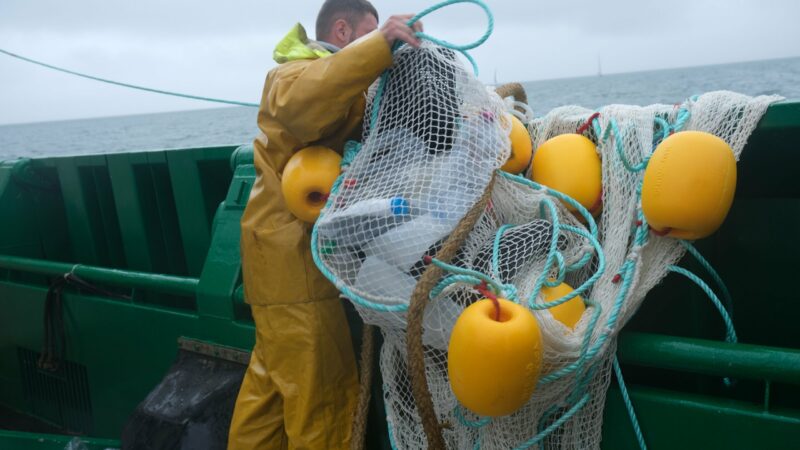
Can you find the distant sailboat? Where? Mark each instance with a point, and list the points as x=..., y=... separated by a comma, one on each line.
x=599, y=67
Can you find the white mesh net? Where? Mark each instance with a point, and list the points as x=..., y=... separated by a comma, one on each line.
x=429, y=155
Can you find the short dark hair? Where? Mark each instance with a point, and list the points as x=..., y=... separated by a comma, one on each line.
x=350, y=10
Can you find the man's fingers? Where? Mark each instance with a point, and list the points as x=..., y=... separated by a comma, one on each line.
x=405, y=35
x=396, y=28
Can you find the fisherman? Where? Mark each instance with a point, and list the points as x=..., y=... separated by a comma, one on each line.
x=300, y=389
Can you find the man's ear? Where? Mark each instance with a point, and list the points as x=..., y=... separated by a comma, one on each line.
x=342, y=30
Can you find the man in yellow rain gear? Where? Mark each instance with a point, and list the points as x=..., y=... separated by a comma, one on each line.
x=300, y=389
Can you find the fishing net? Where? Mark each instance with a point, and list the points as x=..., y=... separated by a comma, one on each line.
x=433, y=143
x=437, y=137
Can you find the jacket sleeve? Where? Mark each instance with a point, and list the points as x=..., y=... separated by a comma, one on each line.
x=313, y=100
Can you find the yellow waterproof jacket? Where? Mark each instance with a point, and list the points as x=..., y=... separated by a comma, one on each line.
x=314, y=100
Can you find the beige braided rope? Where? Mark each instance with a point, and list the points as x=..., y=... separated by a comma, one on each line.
x=513, y=90
x=419, y=300
x=359, y=430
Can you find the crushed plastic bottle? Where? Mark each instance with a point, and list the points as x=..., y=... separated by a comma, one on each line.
x=405, y=245
x=364, y=221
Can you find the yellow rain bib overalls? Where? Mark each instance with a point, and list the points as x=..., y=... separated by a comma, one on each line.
x=301, y=387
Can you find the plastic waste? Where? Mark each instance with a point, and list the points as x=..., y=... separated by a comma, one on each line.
x=405, y=245
x=363, y=221
x=438, y=322
x=382, y=280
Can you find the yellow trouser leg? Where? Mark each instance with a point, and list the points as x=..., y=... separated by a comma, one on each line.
x=257, y=421
x=308, y=358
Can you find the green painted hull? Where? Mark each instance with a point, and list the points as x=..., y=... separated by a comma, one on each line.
x=163, y=229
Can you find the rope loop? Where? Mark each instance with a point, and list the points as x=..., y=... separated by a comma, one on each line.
x=461, y=48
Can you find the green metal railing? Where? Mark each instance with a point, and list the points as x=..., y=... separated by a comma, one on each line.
x=168, y=284
x=710, y=357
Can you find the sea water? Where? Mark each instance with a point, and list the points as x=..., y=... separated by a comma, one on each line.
x=237, y=125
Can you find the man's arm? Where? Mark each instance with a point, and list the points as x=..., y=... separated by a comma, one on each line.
x=316, y=98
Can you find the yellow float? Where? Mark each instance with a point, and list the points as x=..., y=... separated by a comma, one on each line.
x=307, y=181
x=688, y=185
x=521, y=147
x=569, y=312
x=569, y=163
x=493, y=361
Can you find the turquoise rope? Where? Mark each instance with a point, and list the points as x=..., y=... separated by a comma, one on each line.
x=453, y=279
x=601, y=267
x=459, y=48
x=547, y=415
x=478, y=424
x=726, y=294
x=664, y=127
x=628, y=405
x=562, y=271
x=613, y=130
x=589, y=354
x=665, y=130
x=351, y=149
x=132, y=86
x=463, y=420
x=553, y=248
x=568, y=415
x=559, y=195
x=626, y=272
x=581, y=263
x=583, y=379
x=384, y=79
x=730, y=332
x=506, y=290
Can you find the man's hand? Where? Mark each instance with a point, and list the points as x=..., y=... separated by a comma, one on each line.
x=395, y=28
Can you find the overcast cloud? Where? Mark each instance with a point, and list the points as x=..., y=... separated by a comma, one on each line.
x=223, y=49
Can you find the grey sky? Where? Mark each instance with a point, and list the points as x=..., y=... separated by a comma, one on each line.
x=223, y=49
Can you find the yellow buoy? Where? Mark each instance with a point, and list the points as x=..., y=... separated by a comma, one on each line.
x=688, y=185
x=569, y=163
x=569, y=312
x=494, y=365
x=521, y=147
x=307, y=181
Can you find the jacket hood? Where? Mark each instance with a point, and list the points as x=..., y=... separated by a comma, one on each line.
x=296, y=45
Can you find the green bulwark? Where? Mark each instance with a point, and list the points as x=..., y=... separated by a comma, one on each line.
x=159, y=232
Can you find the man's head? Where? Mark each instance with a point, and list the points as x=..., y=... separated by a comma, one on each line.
x=341, y=22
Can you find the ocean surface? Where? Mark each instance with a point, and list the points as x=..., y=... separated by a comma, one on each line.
x=237, y=125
